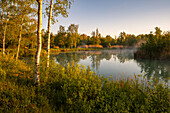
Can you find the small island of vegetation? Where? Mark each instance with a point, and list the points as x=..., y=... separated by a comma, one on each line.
x=156, y=47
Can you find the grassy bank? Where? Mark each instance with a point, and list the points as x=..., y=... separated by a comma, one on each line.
x=77, y=49
x=22, y=53
x=31, y=52
x=74, y=89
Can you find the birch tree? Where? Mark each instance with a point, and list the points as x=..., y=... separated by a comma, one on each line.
x=49, y=30
x=4, y=12
x=39, y=43
x=60, y=7
x=25, y=10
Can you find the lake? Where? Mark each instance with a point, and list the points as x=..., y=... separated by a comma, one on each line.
x=117, y=62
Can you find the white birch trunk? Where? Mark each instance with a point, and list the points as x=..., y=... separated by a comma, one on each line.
x=3, y=40
x=49, y=31
x=39, y=43
x=4, y=34
x=20, y=36
x=4, y=30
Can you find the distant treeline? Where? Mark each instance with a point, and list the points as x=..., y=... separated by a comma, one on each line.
x=69, y=38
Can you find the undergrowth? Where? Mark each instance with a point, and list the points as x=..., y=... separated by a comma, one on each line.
x=74, y=89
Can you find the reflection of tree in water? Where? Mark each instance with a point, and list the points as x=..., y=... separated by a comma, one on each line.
x=95, y=60
x=95, y=57
x=156, y=69
x=106, y=55
x=65, y=58
x=125, y=56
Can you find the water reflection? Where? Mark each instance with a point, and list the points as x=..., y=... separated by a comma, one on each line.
x=155, y=69
x=116, y=62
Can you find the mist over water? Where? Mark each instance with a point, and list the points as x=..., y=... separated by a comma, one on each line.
x=118, y=63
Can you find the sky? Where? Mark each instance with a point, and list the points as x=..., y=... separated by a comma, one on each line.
x=114, y=16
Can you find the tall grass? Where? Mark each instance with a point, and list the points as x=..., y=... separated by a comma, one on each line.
x=74, y=89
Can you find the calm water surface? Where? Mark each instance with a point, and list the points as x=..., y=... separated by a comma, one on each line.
x=119, y=62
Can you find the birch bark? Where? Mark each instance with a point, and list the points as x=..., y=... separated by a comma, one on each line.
x=49, y=31
x=20, y=36
x=39, y=43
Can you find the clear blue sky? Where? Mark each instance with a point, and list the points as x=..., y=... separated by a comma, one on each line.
x=114, y=16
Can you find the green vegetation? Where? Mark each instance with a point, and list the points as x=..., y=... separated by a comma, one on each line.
x=31, y=52
x=156, y=47
x=74, y=89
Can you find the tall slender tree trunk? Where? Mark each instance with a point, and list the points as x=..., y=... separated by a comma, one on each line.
x=4, y=34
x=3, y=50
x=4, y=31
x=20, y=36
x=39, y=43
x=49, y=31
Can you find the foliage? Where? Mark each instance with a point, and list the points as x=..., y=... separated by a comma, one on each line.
x=16, y=10
x=60, y=7
x=74, y=89
x=156, y=47
x=45, y=37
x=69, y=38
